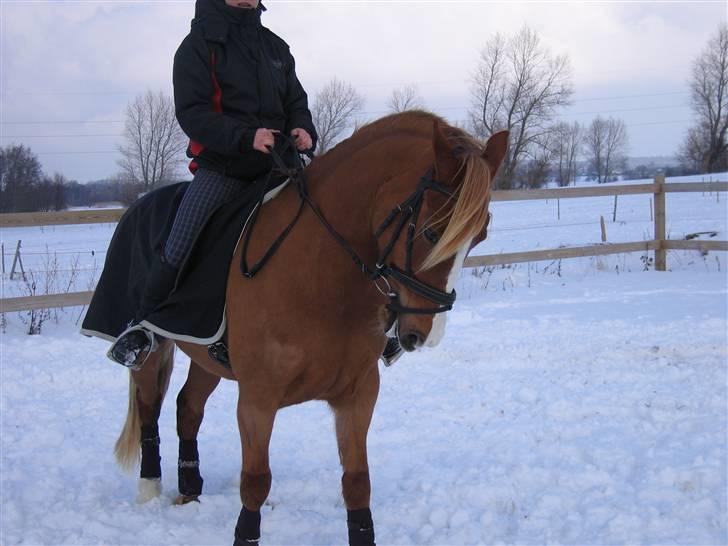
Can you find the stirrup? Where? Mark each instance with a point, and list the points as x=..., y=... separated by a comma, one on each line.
x=133, y=347
x=392, y=352
x=219, y=352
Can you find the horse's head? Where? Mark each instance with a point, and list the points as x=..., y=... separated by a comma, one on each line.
x=437, y=219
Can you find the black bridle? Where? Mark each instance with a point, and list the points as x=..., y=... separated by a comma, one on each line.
x=405, y=214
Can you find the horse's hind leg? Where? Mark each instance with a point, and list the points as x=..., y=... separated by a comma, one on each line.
x=146, y=393
x=190, y=410
x=353, y=413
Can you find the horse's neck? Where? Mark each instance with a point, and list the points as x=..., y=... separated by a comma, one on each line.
x=350, y=183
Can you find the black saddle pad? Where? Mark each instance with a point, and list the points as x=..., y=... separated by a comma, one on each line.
x=195, y=311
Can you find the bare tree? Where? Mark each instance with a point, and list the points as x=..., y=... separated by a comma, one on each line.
x=567, y=143
x=60, y=198
x=125, y=189
x=606, y=146
x=21, y=177
x=51, y=193
x=334, y=109
x=692, y=151
x=154, y=143
x=706, y=144
x=406, y=98
x=518, y=85
x=533, y=172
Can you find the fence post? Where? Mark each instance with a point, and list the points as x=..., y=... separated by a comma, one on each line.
x=660, y=252
x=604, y=229
x=17, y=260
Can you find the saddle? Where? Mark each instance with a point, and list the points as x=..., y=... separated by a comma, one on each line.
x=194, y=311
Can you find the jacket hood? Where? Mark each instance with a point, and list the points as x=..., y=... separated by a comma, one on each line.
x=236, y=16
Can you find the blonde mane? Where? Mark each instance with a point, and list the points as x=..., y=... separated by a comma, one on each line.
x=467, y=218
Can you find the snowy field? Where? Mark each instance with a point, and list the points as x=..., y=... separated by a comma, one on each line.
x=571, y=402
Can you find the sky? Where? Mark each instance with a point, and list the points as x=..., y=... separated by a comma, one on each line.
x=68, y=68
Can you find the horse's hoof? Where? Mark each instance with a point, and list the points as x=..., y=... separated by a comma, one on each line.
x=149, y=489
x=185, y=499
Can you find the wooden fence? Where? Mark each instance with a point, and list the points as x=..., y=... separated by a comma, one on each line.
x=659, y=244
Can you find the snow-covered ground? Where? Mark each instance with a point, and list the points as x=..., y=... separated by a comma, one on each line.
x=573, y=402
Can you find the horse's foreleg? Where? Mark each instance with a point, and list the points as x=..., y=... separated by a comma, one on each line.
x=255, y=420
x=353, y=414
x=151, y=385
x=190, y=410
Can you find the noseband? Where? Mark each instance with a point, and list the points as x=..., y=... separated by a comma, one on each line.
x=406, y=214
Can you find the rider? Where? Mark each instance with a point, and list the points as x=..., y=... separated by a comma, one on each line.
x=235, y=87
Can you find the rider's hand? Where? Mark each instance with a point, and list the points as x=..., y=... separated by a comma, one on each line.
x=302, y=138
x=263, y=139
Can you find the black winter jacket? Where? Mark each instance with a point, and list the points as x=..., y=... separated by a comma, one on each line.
x=256, y=74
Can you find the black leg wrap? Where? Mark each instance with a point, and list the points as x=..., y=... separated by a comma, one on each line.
x=151, y=461
x=189, y=480
x=247, y=531
x=361, y=527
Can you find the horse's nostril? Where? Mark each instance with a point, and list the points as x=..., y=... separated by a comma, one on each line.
x=410, y=342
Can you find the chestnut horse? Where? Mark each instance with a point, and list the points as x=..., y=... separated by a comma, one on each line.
x=390, y=216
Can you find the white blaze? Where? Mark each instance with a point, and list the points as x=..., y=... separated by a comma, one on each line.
x=440, y=321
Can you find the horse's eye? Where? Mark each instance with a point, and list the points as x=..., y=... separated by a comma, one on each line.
x=431, y=235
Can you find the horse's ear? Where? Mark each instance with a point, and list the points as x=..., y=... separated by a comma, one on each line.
x=495, y=150
x=446, y=164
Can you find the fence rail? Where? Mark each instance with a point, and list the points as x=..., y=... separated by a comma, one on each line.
x=608, y=190
x=659, y=244
x=47, y=301
x=62, y=218
x=592, y=250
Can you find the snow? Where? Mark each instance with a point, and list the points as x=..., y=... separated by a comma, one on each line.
x=571, y=402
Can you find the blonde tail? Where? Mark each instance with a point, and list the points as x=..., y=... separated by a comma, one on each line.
x=127, y=448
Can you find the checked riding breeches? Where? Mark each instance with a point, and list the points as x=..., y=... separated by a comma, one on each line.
x=207, y=191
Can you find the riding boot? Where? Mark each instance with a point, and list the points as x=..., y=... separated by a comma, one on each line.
x=160, y=283
x=392, y=351
x=136, y=343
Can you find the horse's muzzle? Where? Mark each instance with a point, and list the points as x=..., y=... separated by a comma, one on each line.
x=411, y=341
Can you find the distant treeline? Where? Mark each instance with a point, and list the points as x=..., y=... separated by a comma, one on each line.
x=650, y=170
x=24, y=187
x=532, y=174
x=102, y=191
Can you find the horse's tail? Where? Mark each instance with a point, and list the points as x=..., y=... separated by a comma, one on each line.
x=128, y=444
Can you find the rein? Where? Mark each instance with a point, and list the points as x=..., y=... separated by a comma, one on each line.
x=406, y=214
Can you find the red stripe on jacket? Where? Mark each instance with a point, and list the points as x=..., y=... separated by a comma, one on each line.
x=195, y=147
